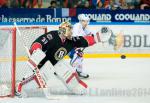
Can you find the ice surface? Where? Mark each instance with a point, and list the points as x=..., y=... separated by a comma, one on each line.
x=111, y=81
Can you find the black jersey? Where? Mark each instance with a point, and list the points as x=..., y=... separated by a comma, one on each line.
x=55, y=49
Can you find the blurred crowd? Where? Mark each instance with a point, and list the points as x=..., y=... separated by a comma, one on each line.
x=87, y=4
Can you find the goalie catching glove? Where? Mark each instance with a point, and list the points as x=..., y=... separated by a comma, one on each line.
x=106, y=35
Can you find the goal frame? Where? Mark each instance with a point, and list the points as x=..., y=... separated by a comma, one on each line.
x=13, y=56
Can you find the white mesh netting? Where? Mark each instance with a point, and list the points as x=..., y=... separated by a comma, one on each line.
x=29, y=34
x=5, y=61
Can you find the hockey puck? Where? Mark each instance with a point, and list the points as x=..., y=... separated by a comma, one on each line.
x=123, y=57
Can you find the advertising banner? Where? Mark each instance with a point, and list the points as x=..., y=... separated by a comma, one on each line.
x=66, y=14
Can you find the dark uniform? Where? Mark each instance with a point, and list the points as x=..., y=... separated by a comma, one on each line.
x=55, y=48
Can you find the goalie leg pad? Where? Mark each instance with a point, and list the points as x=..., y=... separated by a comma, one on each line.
x=70, y=78
x=37, y=56
x=40, y=77
x=23, y=82
x=33, y=61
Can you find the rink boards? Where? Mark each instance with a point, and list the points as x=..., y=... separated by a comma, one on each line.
x=136, y=39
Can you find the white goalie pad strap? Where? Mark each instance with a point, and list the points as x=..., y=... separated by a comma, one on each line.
x=70, y=78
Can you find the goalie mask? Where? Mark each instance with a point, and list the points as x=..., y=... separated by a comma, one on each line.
x=65, y=29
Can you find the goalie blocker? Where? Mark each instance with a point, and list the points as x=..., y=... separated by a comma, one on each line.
x=62, y=70
x=105, y=35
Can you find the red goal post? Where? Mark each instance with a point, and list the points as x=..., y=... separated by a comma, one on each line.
x=13, y=55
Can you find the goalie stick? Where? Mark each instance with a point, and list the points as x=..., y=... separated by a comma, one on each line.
x=39, y=78
x=24, y=43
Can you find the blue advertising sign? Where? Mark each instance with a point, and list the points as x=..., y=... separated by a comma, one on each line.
x=66, y=14
x=26, y=15
x=104, y=15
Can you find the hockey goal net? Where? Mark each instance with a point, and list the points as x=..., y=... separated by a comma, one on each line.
x=13, y=55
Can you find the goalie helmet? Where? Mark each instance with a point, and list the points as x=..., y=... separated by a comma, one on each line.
x=65, y=29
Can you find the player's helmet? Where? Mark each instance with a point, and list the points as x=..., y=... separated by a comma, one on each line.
x=83, y=17
x=65, y=28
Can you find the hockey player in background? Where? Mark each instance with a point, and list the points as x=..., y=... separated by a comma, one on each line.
x=76, y=54
x=57, y=44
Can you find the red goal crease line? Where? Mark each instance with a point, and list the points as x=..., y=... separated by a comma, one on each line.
x=24, y=58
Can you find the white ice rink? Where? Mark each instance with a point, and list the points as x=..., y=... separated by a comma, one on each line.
x=111, y=81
